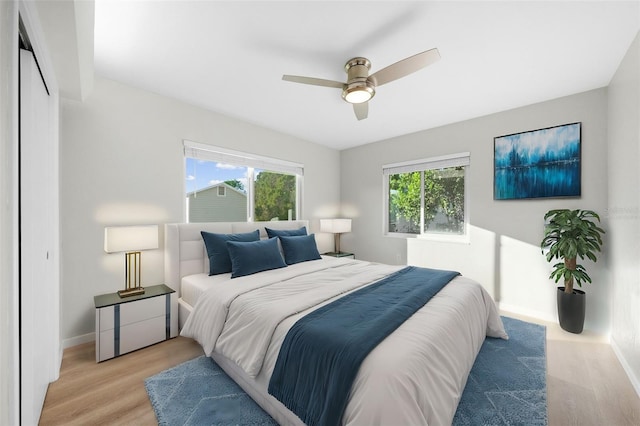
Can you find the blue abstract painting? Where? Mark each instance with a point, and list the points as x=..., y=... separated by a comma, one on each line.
x=539, y=163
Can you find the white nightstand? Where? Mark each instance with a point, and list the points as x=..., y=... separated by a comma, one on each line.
x=126, y=324
x=339, y=254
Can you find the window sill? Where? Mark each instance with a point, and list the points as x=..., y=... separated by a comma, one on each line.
x=441, y=238
x=444, y=238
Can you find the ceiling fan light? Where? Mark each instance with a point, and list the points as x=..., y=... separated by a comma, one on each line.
x=358, y=94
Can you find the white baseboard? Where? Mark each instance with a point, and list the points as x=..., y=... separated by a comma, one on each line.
x=56, y=374
x=541, y=315
x=635, y=381
x=78, y=340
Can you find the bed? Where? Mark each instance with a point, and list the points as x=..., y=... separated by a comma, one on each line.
x=416, y=375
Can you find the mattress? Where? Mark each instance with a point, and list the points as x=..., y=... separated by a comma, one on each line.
x=193, y=286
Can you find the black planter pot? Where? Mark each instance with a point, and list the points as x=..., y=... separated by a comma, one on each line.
x=571, y=309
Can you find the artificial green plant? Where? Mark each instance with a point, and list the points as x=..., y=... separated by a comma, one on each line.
x=570, y=234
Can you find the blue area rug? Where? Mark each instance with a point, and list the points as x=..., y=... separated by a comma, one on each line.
x=508, y=382
x=198, y=393
x=506, y=386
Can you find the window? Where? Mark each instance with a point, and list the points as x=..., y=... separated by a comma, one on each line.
x=230, y=186
x=426, y=197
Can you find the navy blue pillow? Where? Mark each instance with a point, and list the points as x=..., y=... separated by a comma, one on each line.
x=271, y=233
x=299, y=249
x=219, y=261
x=252, y=257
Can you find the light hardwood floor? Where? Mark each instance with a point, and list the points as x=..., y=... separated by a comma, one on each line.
x=586, y=384
x=111, y=392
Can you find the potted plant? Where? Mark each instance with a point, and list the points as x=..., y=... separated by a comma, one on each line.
x=570, y=234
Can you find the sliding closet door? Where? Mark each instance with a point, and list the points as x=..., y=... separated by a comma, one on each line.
x=39, y=292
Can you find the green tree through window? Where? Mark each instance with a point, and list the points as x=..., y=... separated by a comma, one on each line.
x=443, y=206
x=275, y=196
x=235, y=183
x=444, y=200
x=404, y=203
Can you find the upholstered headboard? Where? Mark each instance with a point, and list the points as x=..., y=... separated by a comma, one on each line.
x=184, y=252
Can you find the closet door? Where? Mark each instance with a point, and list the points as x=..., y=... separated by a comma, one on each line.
x=39, y=293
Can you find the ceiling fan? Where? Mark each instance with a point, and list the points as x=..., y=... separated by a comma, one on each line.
x=360, y=86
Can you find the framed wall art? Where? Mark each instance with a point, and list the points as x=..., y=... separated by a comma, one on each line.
x=538, y=163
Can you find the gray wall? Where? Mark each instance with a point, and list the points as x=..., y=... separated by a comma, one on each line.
x=503, y=253
x=624, y=210
x=122, y=163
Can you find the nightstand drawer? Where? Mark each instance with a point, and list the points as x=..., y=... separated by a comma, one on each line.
x=132, y=312
x=142, y=310
x=105, y=348
x=142, y=333
x=104, y=318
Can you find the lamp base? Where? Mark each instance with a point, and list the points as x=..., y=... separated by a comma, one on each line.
x=131, y=292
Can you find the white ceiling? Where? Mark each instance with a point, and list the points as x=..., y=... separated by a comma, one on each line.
x=229, y=57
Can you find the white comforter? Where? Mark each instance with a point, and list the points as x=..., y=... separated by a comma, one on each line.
x=415, y=376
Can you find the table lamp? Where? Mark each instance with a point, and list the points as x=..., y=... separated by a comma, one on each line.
x=131, y=240
x=336, y=227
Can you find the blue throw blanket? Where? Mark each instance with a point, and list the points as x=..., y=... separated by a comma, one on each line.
x=322, y=352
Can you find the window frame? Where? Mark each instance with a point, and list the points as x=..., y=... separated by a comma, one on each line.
x=251, y=162
x=462, y=159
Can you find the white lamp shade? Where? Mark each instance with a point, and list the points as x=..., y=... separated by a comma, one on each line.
x=335, y=226
x=130, y=238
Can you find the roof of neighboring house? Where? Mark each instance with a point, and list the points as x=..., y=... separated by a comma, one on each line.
x=215, y=186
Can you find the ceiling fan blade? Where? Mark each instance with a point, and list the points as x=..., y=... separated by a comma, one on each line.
x=313, y=81
x=361, y=110
x=405, y=67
